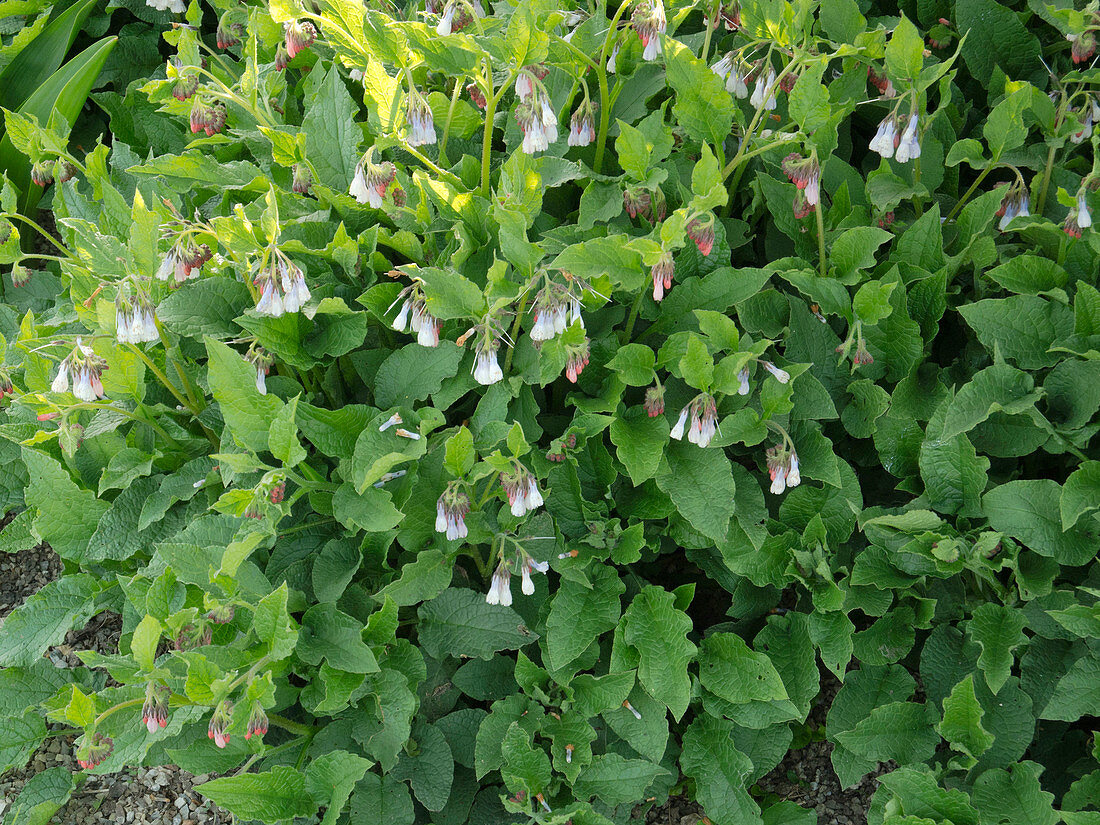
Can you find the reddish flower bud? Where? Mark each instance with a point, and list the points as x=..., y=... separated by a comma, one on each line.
x=94, y=749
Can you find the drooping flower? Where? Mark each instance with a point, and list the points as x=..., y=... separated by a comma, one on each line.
x=782, y=376
x=299, y=36
x=576, y=361
x=257, y=721
x=632, y=709
x=443, y=28
x=655, y=401
x=42, y=173
x=743, y=381
x=701, y=230
x=198, y=634
x=6, y=387
x=1015, y=204
x=886, y=139
x=783, y=468
x=486, y=364
x=1070, y=225
x=476, y=95
x=649, y=22
x=218, y=730
x=678, y=429
x=421, y=122
x=135, y=319
x=522, y=491
x=93, y=750
x=371, y=181
x=862, y=357
x=550, y=315
x=637, y=201
x=1084, y=216
x=662, y=273
x=282, y=286
x=728, y=68
x=881, y=82
x=450, y=512
x=424, y=324
x=729, y=13
x=582, y=126
x=800, y=206
x=909, y=144
x=1088, y=114
x=500, y=590
x=764, y=81
x=1082, y=46
x=535, y=138
x=805, y=173
x=525, y=85
x=611, y=58
x=229, y=31
x=154, y=713
x=303, y=179
x=262, y=360
x=527, y=586
x=185, y=86
x=704, y=420
x=83, y=368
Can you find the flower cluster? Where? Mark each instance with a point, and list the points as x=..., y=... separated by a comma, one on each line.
x=372, y=180
x=421, y=122
x=298, y=36
x=486, y=365
x=184, y=260
x=729, y=68
x=763, y=92
x=450, y=512
x=891, y=141
x=881, y=82
x=257, y=722
x=1015, y=204
x=220, y=720
x=662, y=273
x=783, y=468
x=576, y=360
x=83, y=368
x=701, y=230
x=414, y=315
x=522, y=490
x=582, y=126
x=704, y=420
x=500, y=589
x=281, y=284
x=154, y=713
x=262, y=360
x=649, y=22
x=455, y=14
x=207, y=116
x=94, y=748
x=805, y=174
x=135, y=320
x=1079, y=217
x=553, y=313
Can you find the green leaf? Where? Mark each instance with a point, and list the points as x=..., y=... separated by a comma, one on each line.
x=954, y=474
x=272, y=796
x=330, y=779
x=44, y=619
x=616, y=780
x=842, y=21
x=700, y=483
x=905, y=53
x=697, y=365
x=729, y=669
x=66, y=515
x=332, y=136
x=1029, y=275
x=962, y=720
x=1080, y=494
x=640, y=442
x=41, y=797
x=634, y=363
x=921, y=795
x=998, y=630
x=19, y=737
x=328, y=633
x=421, y=580
x=809, y=100
x=283, y=435
x=1077, y=693
x=382, y=799
x=273, y=626
x=1017, y=51
x=450, y=295
x=413, y=372
x=207, y=306
x=1023, y=327
x=460, y=623
x=702, y=105
x=144, y=642
x=720, y=770
x=658, y=631
x=872, y=301
x=372, y=510
x=1014, y=796
x=900, y=731
x=994, y=389
x=855, y=249
x=579, y=615
x=525, y=768
x=1029, y=511
x=600, y=257
x=333, y=569
x=247, y=414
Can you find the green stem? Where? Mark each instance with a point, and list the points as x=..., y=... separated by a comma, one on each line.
x=592, y=64
x=973, y=187
x=288, y=725
x=60, y=246
x=628, y=331
x=127, y=704
x=710, y=29
x=450, y=115
x=491, y=101
x=163, y=378
x=757, y=115
x=87, y=405
x=515, y=332
x=1042, y=199
x=918, y=202
x=303, y=527
x=601, y=73
x=824, y=264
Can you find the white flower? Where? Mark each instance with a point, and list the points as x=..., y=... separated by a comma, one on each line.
x=534, y=497
x=167, y=266
x=486, y=367
x=549, y=121
x=82, y=386
x=782, y=376
x=61, y=381
x=764, y=82
x=678, y=430
x=440, y=517
x=1084, y=217
x=543, y=328
x=444, y=27
x=402, y=317
x=534, y=139
x=261, y=380
x=499, y=590
x=883, y=141
x=652, y=48
x=392, y=421
x=525, y=86
x=611, y=59
x=519, y=504
x=794, y=477
x=361, y=192
x=779, y=483
x=270, y=303
x=529, y=564
x=743, y=381
x=428, y=335
x=909, y=147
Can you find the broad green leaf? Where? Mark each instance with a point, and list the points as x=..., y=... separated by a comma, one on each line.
x=1077, y=693
x=700, y=483
x=332, y=136
x=1023, y=327
x=275, y=795
x=1028, y=510
x=855, y=249
x=962, y=720
x=330, y=779
x=1080, y=494
x=579, y=614
x=905, y=52
x=460, y=623
x=998, y=630
x=41, y=797
x=44, y=619
x=994, y=389
x=337, y=637
x=66, y=515
x=1015, y=796
x=247, y=413
x=19, y=737
x=901, y=731
x=639, y=441
x=719, y=769
x=658, y=631
x=702, y=105
x=728, y=668
x=616, y=780
x=413, y=372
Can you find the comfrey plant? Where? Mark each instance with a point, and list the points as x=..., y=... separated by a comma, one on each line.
x=755, y=341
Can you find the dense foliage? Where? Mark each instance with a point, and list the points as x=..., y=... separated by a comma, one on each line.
x=782, y=365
